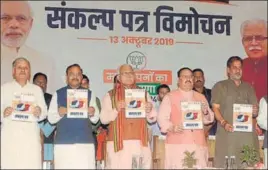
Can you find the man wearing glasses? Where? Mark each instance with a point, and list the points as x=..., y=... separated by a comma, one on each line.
x=74, y=142
x=127, y=142
x=16, y=23
x=254, y=40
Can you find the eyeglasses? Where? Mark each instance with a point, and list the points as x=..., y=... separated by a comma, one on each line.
x=258, y=38
x=187, y=77
x=22, y=19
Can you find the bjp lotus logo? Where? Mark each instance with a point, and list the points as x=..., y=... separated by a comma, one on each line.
x=242, y=118
x=22, y=107
x=191, y=116
x=77, y=104
x=134, y=104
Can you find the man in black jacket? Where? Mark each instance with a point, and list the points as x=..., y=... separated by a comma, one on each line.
x=48, y=130
x=40, y=79
x=199, y=86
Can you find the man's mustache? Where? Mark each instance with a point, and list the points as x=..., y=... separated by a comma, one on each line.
x=12, y=32
x=198, y=81
x=75, y=79
x=188, y=81
x=254, y=48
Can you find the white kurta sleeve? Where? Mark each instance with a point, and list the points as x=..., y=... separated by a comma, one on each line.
x=262, y=117
x=108, y=114
x=53, y=114
x=94, y=119
x=40, y=101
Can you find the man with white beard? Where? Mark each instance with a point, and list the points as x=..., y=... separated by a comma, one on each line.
x=16, y=23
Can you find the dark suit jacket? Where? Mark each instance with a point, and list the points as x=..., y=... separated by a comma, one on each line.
x=207, y=94
x=48, y=98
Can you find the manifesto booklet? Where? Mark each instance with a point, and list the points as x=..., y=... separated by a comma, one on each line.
x=135, y=103
x=23, y=105
x=192, y=115
x=77, y=103
x=242, y=117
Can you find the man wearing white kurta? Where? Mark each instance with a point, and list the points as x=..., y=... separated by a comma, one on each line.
x=16, y=24
x=262, y=122
x=74, y=142
x=20, y=140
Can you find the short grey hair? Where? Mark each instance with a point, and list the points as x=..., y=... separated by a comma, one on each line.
x=252, y=22
x=119, y=68
x=14, y=63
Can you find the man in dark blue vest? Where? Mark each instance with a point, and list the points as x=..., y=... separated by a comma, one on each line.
x=74, y=142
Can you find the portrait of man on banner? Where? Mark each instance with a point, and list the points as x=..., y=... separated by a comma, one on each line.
x=16, y=24
x=254, y=40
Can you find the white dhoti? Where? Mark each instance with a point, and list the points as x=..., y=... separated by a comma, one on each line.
x=74, y=156
x=123, y=158
x=20, y=146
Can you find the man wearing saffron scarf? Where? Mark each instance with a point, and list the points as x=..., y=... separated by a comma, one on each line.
x=74, y=142
x=127, y=137
x=170, y=118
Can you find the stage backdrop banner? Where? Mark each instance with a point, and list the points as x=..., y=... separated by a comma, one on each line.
x=157, y=38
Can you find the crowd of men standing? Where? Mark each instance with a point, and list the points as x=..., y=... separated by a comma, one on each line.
x=74, y=140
